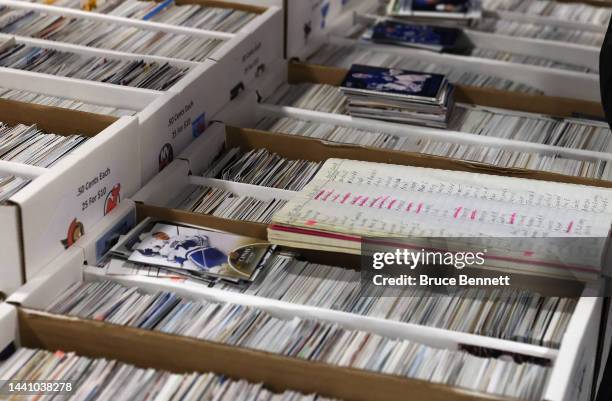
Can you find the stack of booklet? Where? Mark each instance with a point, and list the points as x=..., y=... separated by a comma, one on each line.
x=398, y=95
x=449, y=11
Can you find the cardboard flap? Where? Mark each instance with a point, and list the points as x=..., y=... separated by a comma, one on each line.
x=54, y=119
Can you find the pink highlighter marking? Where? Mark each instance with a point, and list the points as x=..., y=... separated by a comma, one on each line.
x=336, y=198
x=311, y=222
x=458, y=211
x=391, y=203
x=374, y=201
x=473, y=215
x=319, y=194
x=409, y=207
x=419, y=208
x=345, y=198
x=513, y=218
x=356, y=199
x=569, y=227
x=383, y=201
x=327, y=195
x=364, y=201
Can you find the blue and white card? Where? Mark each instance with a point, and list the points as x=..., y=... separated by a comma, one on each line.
x=436, y=38
x=409, y=84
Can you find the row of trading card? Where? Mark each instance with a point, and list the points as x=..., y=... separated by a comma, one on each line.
x=320, y=341
x=223, y=203
x=27, y=144
x=529, y=60
x=345, y=56
x=568, y=11
x=527, y=316
x=134, y=73
x=540, y=31
x=450, y=40
x=208, y=256
x=168, y=12
x=262, y=167
x=25, y=96
x=71, y=377
x=570, y=133
x=105, y=35
x=467, y=12
x=495, y=156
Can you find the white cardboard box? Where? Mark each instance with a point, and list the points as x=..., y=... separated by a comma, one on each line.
x=309, y=22
x=572, y=364
x=50, y=213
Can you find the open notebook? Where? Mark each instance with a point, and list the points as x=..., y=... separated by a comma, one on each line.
x=348, y=200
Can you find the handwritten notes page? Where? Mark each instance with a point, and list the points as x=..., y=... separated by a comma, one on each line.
x=353, y=199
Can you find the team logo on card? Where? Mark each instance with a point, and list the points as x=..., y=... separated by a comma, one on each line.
x=198, y=125
x=307, y=30
x=166, y=155
x=112, y=199
x=75, y=231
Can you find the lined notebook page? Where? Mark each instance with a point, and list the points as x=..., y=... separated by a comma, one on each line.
x=375, y=199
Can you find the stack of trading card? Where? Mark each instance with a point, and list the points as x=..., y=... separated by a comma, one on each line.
x=192, y=252
x=398, y=95
x=433, y=38
x=442, y=11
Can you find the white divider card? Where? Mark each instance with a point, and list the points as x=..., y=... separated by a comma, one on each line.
x=66, y=202
x=349, y=200
x=91, y=93
x=26, y=96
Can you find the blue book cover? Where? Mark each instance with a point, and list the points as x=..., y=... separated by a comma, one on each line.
x=394, y=81
x=411, y=34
